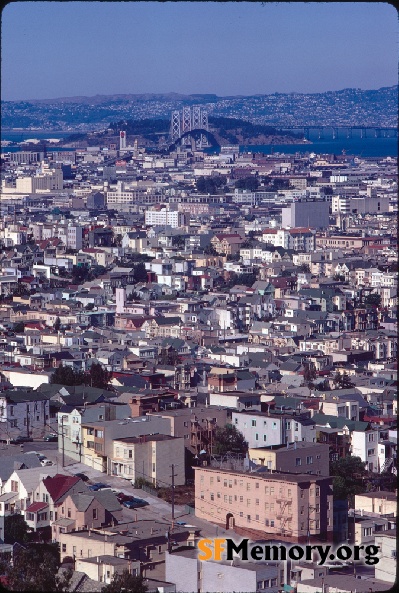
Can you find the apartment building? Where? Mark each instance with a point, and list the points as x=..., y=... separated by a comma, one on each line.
x=165, y=217
x=97, y=437
x=301, y=457
x=149, y=457
x=293, y=506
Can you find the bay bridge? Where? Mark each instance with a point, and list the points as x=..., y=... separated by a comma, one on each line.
x=365, y=131
x=190, y=126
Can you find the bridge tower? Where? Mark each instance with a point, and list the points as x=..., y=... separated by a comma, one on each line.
x=175, y=128
x=196, y=120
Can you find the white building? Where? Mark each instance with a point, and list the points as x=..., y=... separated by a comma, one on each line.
x=165, y=217
x=259, y=430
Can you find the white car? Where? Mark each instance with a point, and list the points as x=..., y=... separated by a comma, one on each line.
x=45, y=462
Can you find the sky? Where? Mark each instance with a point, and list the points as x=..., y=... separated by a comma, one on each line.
x=64, y=49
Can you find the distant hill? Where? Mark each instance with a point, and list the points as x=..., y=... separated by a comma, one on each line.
x=353, y=107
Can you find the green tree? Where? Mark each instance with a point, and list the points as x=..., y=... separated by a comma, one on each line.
x=67, y=376
x=140, y=273
x=251, y=183
x=342, y=381
x=19, y=327
x=37, y=570
x=98, y=376
x=125, y=582
x=228, y=438
x=304, y=268
x=349, y=474
x=178, y=240
x=57, y=324
x=15, y=529
x=309, y=373
x=372, y=300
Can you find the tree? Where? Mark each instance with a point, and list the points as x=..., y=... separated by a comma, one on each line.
x=15, y=529
x=34, y=569
x=98, y=376
x=348, y=473
x=57, y=324
x=140, y=273
x=67, y=376
x=251, y=183
x=125, y=582
x=372, y=300
x=228, y=438
x=342, y=381
x=18, y=327
x=309, y=373
x=178, y=240
x=304, y=268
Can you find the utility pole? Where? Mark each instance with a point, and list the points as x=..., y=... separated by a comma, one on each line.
x=173, y=494
x=62, y=437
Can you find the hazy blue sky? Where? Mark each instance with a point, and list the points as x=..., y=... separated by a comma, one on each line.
x=60, y=49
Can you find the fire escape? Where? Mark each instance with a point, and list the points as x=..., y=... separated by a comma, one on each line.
x=202, y=434
x=284, y=513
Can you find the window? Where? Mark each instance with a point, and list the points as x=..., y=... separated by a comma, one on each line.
x=202, y=495
x=257, y=501
x=248, y=517
x=248, y=502
x=14, y=486
x=271, y=522
x=253, y=423
x=289, y=493
x=69, y=513
x=212, y=496
x=241, y=499
x=230, y=483
x=95, y=513
x=309, y=459
x=367, y=531
x=298, y=461
x=267, y=522
x=211, y=480
x=317, y=491
x=256, y=436
x=64, y=547
x=256, y=484
x=248, y=486
x=266, y=489
x=264, y=438
x=271, y=490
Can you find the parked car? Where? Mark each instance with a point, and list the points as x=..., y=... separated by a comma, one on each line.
x=51, y=438
x=19, y=440
x=45, y=462
x=98, y=486
x=82, y=477
x=135, y=503
x=123, y=497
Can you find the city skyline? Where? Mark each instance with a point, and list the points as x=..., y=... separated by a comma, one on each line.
x=54, y=49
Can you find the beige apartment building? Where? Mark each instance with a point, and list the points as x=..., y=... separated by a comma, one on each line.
x=297, y=458
x=149, y=457
x=263, y=504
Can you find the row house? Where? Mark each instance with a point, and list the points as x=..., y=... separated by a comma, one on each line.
x=165, y=327
x=297, y=507
x=23, y=413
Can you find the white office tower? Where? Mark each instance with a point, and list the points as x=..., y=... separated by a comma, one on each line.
x=122, y=140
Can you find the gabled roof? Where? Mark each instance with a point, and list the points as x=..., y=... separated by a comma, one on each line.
x=82, y=501
x=59, y=485
x=36, y=506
